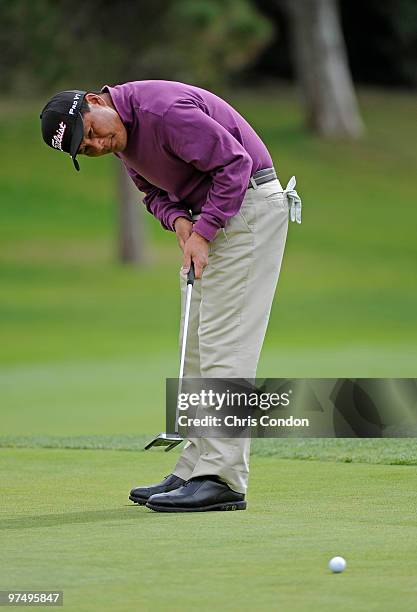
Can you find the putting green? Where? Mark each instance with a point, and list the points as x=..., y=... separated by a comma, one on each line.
x=67, y=524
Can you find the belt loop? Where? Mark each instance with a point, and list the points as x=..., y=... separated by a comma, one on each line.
x=254, y=185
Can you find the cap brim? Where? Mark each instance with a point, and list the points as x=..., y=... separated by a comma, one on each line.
x=77, y=137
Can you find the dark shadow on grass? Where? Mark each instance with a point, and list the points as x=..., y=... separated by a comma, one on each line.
x=72, y=518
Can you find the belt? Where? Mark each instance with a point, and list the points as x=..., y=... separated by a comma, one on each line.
x=262, y=176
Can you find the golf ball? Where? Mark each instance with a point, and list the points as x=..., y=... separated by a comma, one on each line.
x=337, y=565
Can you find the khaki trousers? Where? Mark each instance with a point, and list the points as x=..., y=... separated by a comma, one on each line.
x=229, y=315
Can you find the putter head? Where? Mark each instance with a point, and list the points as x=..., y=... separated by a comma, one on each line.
x=170, y=440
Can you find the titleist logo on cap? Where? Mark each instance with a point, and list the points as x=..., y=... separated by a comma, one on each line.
x=74, y=104
x=57, y=138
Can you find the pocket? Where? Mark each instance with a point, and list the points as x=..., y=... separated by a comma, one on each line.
x=247, y=215
x=244, y=217
x=247, y=212
x=243, y=222
x=274, y=194
x=276, y=199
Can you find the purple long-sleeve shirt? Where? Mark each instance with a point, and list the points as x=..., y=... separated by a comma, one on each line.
x=187, y=150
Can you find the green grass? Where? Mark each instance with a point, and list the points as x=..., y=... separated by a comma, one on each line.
x=66, y=524
x=387, y=451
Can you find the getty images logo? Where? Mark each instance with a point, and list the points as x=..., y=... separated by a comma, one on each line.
x=58, y=136
x=74, y=104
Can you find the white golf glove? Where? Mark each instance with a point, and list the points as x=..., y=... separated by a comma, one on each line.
x=294, y=200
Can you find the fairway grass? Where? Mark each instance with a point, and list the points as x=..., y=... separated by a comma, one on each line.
x=66, y=523
x=127, y=396
x=387, y=451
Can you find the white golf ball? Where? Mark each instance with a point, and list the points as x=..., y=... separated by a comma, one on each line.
x=337, y=565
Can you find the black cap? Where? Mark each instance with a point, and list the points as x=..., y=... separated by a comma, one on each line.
x=62, y=122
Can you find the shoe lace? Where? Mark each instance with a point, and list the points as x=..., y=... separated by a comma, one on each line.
x=196, y=478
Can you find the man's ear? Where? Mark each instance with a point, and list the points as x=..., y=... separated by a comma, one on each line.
x=96, y=99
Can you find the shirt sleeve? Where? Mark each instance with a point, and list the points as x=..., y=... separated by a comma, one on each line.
x=198, y=139
x=158, y=203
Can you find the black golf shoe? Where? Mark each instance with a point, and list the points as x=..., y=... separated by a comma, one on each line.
x=140, y=495
x=200, y=494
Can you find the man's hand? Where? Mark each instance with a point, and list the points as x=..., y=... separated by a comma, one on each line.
x=196, y=249
x=183, y=228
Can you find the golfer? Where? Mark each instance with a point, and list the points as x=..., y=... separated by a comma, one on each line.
x=208, y=177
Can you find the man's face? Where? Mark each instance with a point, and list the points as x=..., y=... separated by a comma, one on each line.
x=104, y=131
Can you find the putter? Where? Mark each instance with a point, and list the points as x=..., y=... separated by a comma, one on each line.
x=171, y=440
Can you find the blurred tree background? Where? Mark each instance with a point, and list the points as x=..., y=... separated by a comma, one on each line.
x=381, y=42
x=50, y=44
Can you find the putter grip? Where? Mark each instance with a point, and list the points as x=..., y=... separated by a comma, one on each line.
x=191, y=275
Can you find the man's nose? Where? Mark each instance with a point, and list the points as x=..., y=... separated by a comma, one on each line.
x=96, y=144
x=100, y=144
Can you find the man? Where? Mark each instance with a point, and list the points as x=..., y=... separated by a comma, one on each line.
x=208, y=177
